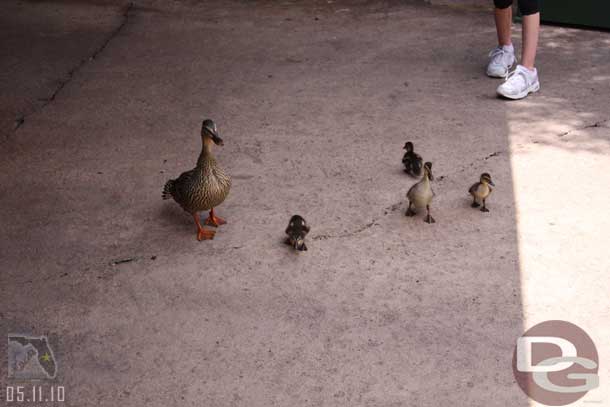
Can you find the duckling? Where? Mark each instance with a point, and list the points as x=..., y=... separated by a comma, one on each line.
x=412, y=161
x=420, y=195
x=204, y=187
x=480, y=191
x=297, y=230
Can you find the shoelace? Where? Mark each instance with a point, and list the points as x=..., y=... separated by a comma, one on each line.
x=497, y=53
x=509, y=75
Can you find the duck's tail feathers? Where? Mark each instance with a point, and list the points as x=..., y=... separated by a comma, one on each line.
x=168, y=189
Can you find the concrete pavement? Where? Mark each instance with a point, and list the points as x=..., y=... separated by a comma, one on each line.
x=314, y=101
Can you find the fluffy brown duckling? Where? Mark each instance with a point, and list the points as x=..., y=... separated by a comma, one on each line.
x=412, y=161
x=480, y=191
x=297, y=230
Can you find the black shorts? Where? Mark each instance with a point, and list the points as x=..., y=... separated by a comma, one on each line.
x=526, y=7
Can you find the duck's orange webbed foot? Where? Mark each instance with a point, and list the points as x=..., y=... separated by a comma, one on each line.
x=214, y=220
x=203, y=234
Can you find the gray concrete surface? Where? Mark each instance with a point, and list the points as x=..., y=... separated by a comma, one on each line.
x=314, y=100
x=464, y=4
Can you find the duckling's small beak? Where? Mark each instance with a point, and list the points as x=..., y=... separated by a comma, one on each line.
x=298, y=244
x=492, y=184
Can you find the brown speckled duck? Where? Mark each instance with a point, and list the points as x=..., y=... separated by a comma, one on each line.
x=204, y=187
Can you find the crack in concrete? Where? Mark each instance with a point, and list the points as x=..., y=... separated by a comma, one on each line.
x=20, y=121
x=117, y=262
x=360, y=229
x=588, y=126
x=473, y=163
x=347, y=233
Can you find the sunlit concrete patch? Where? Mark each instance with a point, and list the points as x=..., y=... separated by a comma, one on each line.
x=560, y=160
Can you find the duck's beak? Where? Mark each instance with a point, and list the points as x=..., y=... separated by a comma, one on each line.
x=492, y=184
x=216, y=138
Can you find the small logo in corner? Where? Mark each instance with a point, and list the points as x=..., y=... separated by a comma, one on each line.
x=30, y=358
x=556, y=363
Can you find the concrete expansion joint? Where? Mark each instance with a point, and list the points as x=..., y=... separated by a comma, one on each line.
x=20, y=121
x=601, y=123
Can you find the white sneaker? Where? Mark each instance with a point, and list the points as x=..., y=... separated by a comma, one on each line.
x=519, y=83
x=501, y=60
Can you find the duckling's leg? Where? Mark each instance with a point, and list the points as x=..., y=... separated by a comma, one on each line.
x=410, y=211
x=429, y=218
x=475, y=204
x=484, y=209
x=203, y=234
x=214, y=220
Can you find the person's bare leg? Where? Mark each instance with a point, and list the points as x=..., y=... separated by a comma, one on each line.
x=504, y=21
x=531, y=30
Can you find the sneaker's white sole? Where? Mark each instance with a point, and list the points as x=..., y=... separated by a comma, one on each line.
x=535, y=87
x=493, y=75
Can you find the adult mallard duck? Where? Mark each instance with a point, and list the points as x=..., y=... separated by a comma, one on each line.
x=204, y=187
x=411, y=160
x=480, y=191
x=420, y=195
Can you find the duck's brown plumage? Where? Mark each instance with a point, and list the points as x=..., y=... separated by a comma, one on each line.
x=202, y=188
